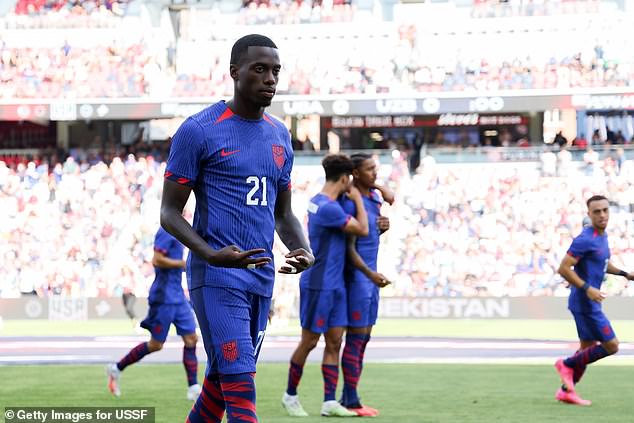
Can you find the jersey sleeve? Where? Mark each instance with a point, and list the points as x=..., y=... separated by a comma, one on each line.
x=186, y=153
x=579, y=247
x=162, y=241
x=348, y=205
x=331, y=215
x=284, y=183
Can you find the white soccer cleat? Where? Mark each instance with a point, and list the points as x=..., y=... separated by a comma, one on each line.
x=292, y=406
x=334, y=409
x=193, y=391
x=113, y=373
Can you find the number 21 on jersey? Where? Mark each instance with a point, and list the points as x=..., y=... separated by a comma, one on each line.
x=252, y=199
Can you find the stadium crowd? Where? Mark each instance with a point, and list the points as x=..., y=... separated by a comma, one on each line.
x=261, y=12
x=32, y=14
x=82, y=227
x=133, y=70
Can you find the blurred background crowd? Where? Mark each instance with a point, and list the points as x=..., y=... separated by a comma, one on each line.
x=86, y=229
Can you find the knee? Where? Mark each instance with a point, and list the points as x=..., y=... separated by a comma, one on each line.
x=310, y=344
x=190, y=340
x=612, y=347
x=333, y=345
x=154, y=346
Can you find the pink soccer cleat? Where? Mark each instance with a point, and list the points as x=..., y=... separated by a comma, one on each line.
x=571, y=397
x=365, y=411
x=566, y=374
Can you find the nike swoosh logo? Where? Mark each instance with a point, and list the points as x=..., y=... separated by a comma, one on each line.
x=224, y=153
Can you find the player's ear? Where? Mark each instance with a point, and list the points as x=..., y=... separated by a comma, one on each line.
x=234, y=71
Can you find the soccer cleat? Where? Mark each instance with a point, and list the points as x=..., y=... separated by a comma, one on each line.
x=193, y=391
x=113, y=373
x=365, y=411
x=292, y=406
x=571, y=397
x=566, y=374
x=334, y=409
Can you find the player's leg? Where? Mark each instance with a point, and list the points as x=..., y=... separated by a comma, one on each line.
x=590, y=326
x=336, y=324
x=595, y=326
x=362, y=312
x=186, y=328
x=312, y=327
x=210, y=405
x=228, y=320
x=581, y=369
x=157, y=322
x=356, y=335
x=236, y=381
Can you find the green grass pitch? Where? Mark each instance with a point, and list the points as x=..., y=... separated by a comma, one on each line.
x=421, y=393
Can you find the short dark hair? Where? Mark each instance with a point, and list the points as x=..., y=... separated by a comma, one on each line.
x=595, y=198
x=358, y=159
x=336, y=165
x=241, y=46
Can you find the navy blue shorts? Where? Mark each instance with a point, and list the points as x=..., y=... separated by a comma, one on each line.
x=321, y=310
x=363, y=304
x=232, y=324
x=161, y=316
x=593, y=326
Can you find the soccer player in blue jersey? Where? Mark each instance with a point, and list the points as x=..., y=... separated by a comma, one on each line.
x=323, y=308
x=237, y=159
x=168, y=305
x=362, y=279
x=584, y=267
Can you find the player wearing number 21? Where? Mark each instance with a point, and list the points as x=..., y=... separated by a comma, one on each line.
x=237, y=159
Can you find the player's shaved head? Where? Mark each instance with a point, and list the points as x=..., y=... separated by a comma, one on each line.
x=595, y=198
x=336, y=165
x=241, y=47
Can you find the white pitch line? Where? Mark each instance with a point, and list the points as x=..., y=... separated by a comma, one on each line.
x=51, y=358
x=276, y=344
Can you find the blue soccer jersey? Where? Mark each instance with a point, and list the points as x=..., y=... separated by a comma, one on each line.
x=326, y=220
x=167, y=288
x=367, y=246
x=593, y=253
x=236, y=168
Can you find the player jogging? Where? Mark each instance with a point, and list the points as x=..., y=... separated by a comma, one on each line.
x=168, y=305
x=237, y=160
x=362, y=279
x=322, y=289
x=589, y=254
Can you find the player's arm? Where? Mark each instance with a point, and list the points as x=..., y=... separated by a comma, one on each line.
x=613, y=270
x=290, y=231
x=355, y=258
x=175, y=197
x=159, y=259
x=567, y=272
x=357, y=226
x=386, y=193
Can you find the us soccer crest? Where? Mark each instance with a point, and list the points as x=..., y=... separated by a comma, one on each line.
x=278, y=155
x=230, y=351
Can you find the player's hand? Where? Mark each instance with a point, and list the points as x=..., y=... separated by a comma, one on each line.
x=379, y=280
x=297, y=261
x=232, y=256
x=595, y=295
x=383, y=223
x=354, y=193
x=387, y=195
x=630, y=276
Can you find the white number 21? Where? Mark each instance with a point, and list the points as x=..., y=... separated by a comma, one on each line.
x=256, y=186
